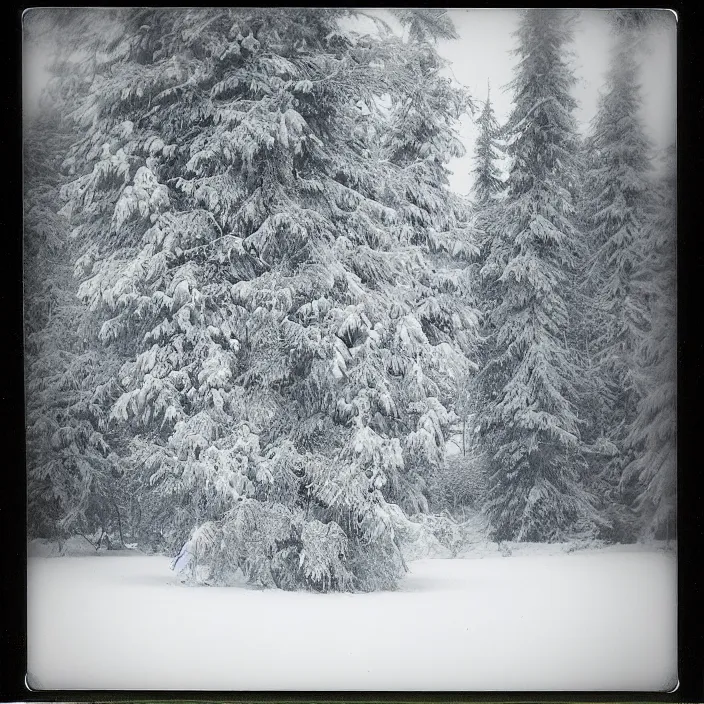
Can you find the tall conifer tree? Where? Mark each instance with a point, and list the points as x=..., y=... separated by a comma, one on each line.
x=488, y=190
x=74, y=484
x=487, y=177
x=652, y=439
x=421, y=138
x=616, y=195
x=527, y=387
x=247, y=251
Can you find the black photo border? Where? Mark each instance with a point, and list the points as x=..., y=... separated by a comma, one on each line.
x=690, y=496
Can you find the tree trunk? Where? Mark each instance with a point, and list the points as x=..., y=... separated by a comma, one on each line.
x=464, y=436
x=119, y=522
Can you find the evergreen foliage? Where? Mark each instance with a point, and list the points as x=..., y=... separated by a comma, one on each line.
x=459, y=484
x=73, y=472
x=488, y=191
x=288, y=346
x=426, y=23
x=618, y=285
x=487, y=178
x=256, y=312
x=526, y=408
x=652, y=436
x=421, y=140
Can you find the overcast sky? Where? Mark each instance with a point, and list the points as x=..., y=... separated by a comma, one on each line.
x=483, y=54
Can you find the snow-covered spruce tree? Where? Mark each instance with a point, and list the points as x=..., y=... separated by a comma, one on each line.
x=593, y=390
x=487, y=192
x=487, y=177
x=73, y=485
x=426, y=25
x=245, y=249
x=526, y=390
x=421, y=139
x=652, y=437
x=616, y=194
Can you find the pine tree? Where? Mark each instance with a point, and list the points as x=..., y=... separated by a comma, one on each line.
x=617, y=192
x=488, y=193
x=426, y=24
x=594, y=392
x=488, y=189
x=73, y=485
x=652, y=436
x=248, y=252
x=421, y=139
x=487, y=178
x=527, y=387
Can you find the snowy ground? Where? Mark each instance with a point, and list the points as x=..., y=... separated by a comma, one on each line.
x=540, y=620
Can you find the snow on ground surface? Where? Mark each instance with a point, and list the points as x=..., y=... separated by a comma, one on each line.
x=538, y=620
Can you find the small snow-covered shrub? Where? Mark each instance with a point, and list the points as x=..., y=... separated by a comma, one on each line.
x=622, y=524
x=426, y=546
x=446, y=531
x=323, y=547
x=274, y=546
x=458, y=482
x=414, y=537
x=376, y=568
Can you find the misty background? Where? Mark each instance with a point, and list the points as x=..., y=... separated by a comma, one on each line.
x=483, y=57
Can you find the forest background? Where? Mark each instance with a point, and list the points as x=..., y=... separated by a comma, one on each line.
x=277, y=265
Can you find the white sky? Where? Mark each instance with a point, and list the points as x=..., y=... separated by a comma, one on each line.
x=483, y=53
